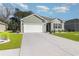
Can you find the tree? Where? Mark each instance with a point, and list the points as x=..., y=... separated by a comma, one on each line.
x=21, y=14
x=14, y=24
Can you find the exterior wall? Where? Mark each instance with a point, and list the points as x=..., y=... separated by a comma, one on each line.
x=44, y=27
x=22, y=27
x=33, y=20
x=58, y=23
x=63, y=26
x=52, y=28
x=2, y=28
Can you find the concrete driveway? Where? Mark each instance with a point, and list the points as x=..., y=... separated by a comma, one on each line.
x=44, y=44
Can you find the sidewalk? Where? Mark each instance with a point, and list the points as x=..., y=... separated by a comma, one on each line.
x=11, y=52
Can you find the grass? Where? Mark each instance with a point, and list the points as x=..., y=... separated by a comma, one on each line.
x=70, y=35
x=15, y=41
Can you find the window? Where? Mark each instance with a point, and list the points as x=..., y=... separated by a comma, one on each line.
x=59, y=25
x=55, y=25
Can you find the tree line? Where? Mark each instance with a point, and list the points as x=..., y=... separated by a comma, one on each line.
x=14, y=22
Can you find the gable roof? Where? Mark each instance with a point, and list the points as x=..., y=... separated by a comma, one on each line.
x=41, y=18
x=58, y=19
x=2, y=22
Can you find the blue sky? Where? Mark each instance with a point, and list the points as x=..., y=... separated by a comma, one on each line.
x=63, y=11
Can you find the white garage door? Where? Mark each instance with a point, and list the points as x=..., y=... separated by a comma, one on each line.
x=32, y=28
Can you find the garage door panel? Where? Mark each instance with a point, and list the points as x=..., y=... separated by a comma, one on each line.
x=32, y=28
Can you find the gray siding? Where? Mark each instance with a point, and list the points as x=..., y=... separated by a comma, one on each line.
x=57, y=25
x=32, y=20
x=72, y=25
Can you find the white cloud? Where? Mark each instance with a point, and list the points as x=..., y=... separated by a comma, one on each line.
x=42, y=8
x=62, y=9
x=23, y=5
x=68, y=4
x=1, y=4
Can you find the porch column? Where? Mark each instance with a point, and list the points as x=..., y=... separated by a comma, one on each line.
x=22, y=26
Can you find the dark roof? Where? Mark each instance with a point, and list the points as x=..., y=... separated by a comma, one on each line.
x=48, y=19
x=3, y=21
x=58, y=19
x=73, y=20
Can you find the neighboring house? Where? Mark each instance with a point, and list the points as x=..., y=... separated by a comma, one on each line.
x=72, y=25
x=36, y=23
x=3, y=26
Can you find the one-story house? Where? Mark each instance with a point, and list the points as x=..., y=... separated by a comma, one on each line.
x=72, y=25
x=3, y=26
x=36, y=23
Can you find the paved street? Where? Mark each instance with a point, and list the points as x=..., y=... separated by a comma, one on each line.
x=44, y=44
x=10, y=52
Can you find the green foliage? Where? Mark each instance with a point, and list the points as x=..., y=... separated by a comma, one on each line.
x=14, y=24
x=15, y=41
x=21, y=14
x=70, y=35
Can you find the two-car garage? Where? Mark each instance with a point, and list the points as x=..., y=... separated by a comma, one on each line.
x=32, y=28
x=32, y=23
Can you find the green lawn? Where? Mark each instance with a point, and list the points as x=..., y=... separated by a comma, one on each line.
x=15, y=41
x=70, y=35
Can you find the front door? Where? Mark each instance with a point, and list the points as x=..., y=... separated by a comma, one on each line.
x=48, y=27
